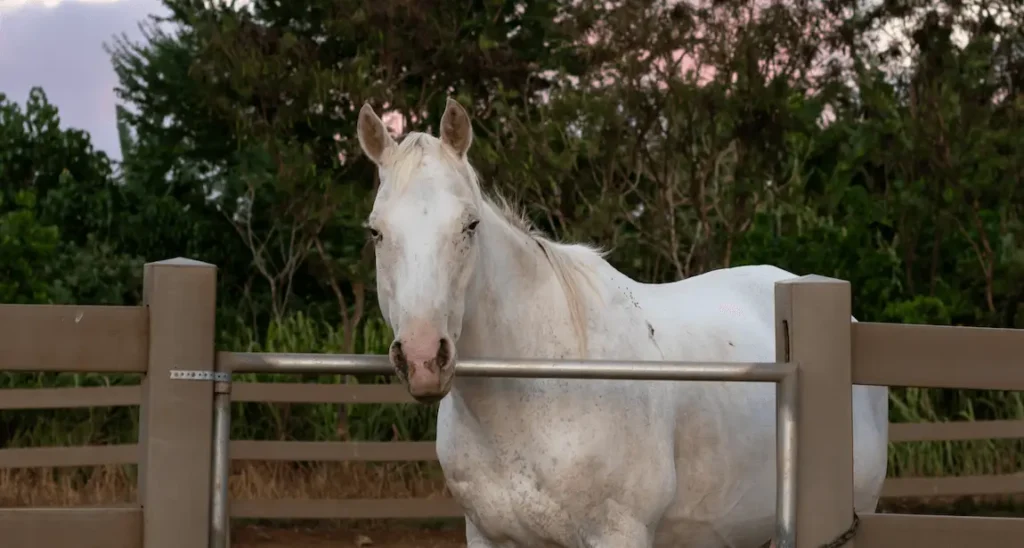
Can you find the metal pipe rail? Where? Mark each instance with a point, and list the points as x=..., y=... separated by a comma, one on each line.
x=376, y=364
x=783, y=374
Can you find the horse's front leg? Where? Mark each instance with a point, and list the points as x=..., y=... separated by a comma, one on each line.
x=474, y=539
x=612, y=525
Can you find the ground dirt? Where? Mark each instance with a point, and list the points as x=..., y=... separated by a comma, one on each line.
x=116, y=485
x=404, y=536
x=266, y=537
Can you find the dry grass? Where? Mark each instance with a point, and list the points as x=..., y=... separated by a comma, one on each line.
x=249, y=480
x=272, y=480
x=104, y=485
x=67, y=486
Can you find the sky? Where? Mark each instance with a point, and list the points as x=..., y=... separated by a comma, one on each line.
x=58, y=45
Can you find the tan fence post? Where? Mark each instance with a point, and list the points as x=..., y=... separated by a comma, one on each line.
x=816, y=312
x=176, y=417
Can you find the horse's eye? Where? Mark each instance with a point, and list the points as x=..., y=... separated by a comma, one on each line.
x=472, y=225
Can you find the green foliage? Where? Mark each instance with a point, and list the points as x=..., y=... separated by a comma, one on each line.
x=300, y=333
x=938, y=458
x=27, y=247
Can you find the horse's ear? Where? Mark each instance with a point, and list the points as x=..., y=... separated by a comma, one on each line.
x=373, y=136
x=456, y=129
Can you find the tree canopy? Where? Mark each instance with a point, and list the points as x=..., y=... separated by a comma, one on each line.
x=681, y=136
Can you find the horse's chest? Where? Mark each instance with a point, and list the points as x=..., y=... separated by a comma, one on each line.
x=504, y=498
x=505, y=492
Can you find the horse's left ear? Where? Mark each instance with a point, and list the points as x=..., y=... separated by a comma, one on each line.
x=456, y=129
x=373, y=136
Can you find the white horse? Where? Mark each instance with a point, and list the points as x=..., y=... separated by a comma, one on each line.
x=578, y=463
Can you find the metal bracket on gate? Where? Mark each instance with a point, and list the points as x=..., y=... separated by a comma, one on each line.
x=187, y=375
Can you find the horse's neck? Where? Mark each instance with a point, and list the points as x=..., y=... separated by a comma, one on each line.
x=512, y=299
x=510, y=283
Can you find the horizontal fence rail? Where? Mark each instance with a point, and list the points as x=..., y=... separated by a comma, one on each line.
x=935, y=356
x=66, y=457
x=112, y=339
x=63, y=398
x=356, y=364
x=367, y=451
x=70, y=397
x=296, y=392
x=904, y=531
x=424, y=508
x=953, y=486
x=319, y=393
x=99, y=527
x=956, y=431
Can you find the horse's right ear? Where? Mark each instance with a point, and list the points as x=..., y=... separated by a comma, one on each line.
x=373, y=136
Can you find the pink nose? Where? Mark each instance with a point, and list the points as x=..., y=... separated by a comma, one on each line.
x=423, y=360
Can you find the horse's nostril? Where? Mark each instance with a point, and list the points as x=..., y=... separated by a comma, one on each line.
x=398, y=358
x=444, y=352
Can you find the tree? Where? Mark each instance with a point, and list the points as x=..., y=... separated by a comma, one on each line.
x=60, y=212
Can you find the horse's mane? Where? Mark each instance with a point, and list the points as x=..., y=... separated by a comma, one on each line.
x=573, y=264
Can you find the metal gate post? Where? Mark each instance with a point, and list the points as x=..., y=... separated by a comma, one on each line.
x=220, y=503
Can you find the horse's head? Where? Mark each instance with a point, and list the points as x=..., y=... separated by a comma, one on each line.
x=423, y=225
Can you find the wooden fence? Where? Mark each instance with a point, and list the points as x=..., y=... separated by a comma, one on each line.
x=174, y=330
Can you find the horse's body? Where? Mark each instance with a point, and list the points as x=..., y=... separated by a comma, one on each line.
x=582, y=463
x=576, y=462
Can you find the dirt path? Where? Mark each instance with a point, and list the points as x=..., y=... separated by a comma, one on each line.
x=262, y=537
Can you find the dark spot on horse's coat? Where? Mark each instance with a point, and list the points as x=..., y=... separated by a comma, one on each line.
x=632, y=299
x=650, y=335
x=730, y=343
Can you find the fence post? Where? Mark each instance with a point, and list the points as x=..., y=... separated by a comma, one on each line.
x=816, y=335
x=176, y=416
